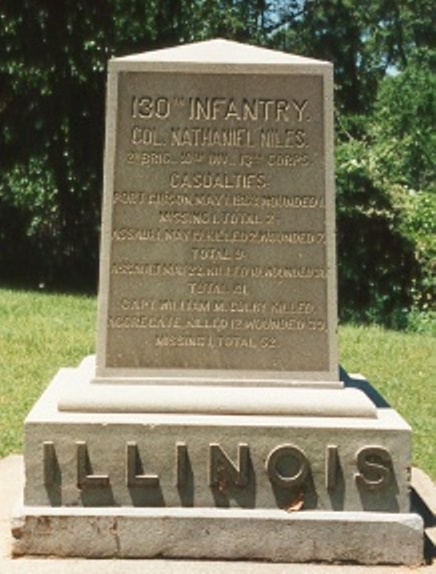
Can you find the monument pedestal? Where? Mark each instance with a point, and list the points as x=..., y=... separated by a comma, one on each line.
x=202, y=394
x=276, y=487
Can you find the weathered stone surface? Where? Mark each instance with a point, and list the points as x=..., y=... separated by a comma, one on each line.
x=140, y=459
x=311, y=398
x=366, y=538
x=218, y=231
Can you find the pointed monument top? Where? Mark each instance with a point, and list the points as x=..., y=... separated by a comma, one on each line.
x=218, y=51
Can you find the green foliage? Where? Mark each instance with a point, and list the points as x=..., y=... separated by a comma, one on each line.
x=38, y=333
x=403, y=125
x=387, y=206
x=363, y=39
x=52, y=115
x=52, y=100
x=235, y=20
x=376, y=263
x=52, y=94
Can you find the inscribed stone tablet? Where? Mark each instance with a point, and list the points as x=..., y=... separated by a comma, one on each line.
x=218, y=239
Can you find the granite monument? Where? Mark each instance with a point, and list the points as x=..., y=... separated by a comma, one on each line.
x=214, y=405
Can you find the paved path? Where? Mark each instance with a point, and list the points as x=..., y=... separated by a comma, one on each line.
x=11, y=484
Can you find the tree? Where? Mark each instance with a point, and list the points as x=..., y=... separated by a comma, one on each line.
x=52, y=109
x=52, y=84
x=386, y=204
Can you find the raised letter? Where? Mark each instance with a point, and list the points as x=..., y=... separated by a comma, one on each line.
x=331, y=466
x=281, y=467
x=222, y=469
x=85, y=480
x=133, y=462
x=49, y=457
x=374, y=464
x=182, y=463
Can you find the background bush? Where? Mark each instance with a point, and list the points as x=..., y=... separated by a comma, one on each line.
x=52, y=92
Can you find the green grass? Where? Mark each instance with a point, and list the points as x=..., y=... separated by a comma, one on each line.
x=40, y=333
x=402, y=367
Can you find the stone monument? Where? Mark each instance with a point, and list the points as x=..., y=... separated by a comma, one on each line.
x=213, y=422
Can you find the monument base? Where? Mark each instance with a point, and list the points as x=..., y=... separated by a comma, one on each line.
x=233, y=534
x=282, y=488
x=201, y=395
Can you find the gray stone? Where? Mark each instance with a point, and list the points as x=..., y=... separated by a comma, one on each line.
x=217, y=266
x=311, y=398
x=278, y=536
x=425, y=488
x=213, y=423
x=218, y=230
x=11, y=478
x=150, y=459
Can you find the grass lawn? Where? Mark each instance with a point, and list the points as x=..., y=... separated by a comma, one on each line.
x=402, y=367
x=40, y=333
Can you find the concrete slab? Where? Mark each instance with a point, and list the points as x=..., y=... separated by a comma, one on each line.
x=11, y=485
x=11, y=481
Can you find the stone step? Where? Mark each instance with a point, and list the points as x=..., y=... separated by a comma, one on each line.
x=423, y=498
